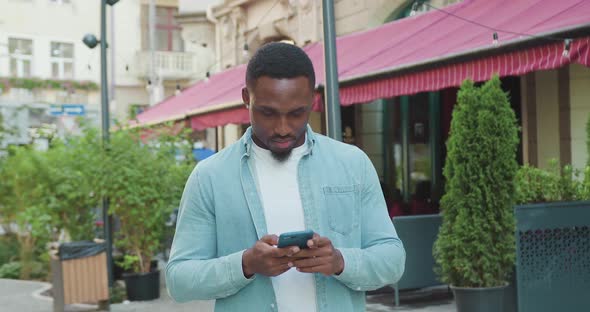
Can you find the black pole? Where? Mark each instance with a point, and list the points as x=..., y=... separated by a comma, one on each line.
x=105, y=131
x=331, y=96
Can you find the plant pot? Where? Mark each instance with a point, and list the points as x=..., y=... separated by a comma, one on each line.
x=118, y=270
x=142, y=286
x=488, y=299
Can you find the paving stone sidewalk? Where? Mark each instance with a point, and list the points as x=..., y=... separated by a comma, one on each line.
x=24, y=296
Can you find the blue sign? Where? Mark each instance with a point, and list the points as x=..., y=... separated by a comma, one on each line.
x=67, y=110
x=202, y=153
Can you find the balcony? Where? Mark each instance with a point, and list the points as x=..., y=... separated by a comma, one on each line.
x=168, y=65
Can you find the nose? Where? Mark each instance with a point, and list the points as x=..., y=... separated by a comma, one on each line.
x=282, y=127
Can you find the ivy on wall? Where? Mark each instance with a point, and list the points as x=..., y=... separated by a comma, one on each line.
x=36, y=83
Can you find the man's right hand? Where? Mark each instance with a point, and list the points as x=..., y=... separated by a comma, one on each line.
x=266, y=259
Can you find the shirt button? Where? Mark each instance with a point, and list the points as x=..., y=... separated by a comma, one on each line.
x=272, y=305
x=358, y=288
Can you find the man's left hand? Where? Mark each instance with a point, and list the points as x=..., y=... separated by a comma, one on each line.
x=320, y=257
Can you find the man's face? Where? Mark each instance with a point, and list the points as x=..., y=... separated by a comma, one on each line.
x=279, y=112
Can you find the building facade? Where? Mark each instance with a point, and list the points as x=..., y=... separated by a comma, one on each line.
x=405, y=135
x=44, y=64
x=252, y=23
x=225, y=33
x=43, y=61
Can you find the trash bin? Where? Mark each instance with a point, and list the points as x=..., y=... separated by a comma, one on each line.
x=79, y=274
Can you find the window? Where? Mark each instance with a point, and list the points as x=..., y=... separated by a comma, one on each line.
x=167, y=32
x=413, y=130
x=21, y=57
x=62, y=60
x=421, y=6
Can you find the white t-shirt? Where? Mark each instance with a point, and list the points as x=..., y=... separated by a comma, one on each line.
x=279, y=192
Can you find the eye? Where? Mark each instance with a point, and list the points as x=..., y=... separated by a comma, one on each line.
x=267, y=113
x=297, y=113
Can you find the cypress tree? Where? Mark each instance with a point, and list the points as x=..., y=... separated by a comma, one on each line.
x=476, y=243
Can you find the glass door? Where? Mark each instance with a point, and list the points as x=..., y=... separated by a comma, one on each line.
x=412, y=152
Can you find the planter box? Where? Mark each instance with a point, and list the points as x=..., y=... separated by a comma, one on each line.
x=418, y=234
x=142, y=286
x=118, y=271
x=553, y=256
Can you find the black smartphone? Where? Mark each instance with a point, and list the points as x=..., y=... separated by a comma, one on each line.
x=298, y=238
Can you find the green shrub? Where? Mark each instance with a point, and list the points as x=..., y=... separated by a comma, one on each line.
x=588, y=140
x=118, y=293
x=476, y=243
x=144, y=184
x=39, y=270
x=9, y=248
x=10, y=270
x=26, y=177
x=47, y=192
x=534, y=185
x=129, y=263
x=14, y=269
x=585, y=193
x=71, y=195
x=38, y=266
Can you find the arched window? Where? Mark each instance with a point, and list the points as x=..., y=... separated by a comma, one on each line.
x=405, y=11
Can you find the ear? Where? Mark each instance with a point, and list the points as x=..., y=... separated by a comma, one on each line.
x=246, y=97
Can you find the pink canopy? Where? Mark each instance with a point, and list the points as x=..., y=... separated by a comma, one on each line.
x=426, y=52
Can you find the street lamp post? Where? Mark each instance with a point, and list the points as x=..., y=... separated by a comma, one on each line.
x=91, y=42
x=331, y=96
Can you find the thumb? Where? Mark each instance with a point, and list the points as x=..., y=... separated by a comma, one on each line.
x=270, y=239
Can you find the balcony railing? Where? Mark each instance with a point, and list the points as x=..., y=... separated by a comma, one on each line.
x=167, y=65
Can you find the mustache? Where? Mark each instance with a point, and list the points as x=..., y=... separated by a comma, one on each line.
x=282, y=138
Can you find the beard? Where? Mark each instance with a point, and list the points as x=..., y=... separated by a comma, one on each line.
x=281, y=156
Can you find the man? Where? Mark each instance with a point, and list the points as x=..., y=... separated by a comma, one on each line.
x=281, y=177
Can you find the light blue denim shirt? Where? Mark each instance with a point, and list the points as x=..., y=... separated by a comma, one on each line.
x=221, y=215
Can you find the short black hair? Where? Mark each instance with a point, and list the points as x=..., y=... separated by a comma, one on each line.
x=279, y=60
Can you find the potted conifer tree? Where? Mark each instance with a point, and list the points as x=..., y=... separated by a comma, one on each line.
x=475, y=249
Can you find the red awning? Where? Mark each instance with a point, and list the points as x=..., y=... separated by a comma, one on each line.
x=221, y=91
x=439, y=42
x=238, y=115
x=506, y=64
x=427, y=52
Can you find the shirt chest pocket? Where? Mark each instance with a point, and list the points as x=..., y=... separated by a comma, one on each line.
x=342, y=204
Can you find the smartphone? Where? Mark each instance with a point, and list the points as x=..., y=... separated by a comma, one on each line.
x=298, y=238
